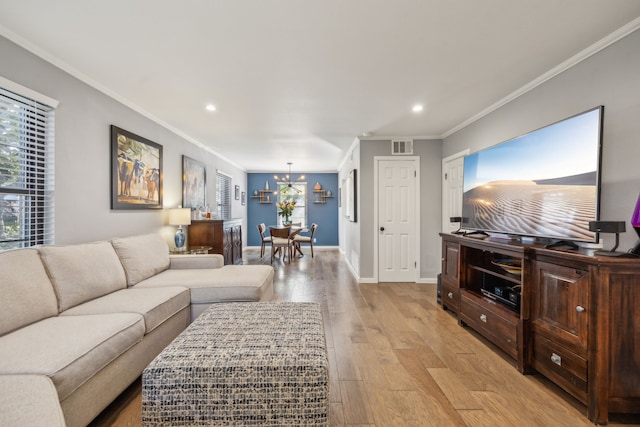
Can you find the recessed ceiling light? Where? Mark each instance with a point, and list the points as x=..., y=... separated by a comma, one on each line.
x=417, y=108
x=210, y=107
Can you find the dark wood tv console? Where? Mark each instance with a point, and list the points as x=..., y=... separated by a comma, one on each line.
x=576, y=320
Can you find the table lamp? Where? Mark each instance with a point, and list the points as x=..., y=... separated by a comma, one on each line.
x=180, y=216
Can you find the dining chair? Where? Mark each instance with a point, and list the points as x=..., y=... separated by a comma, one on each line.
x=298, y=239
x=263, y=238
x=281, y=240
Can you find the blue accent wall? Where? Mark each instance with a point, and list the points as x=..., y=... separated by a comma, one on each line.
x=325, y=215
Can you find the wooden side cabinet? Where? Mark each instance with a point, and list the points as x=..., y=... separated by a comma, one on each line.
x=576, y=319
x=223, y=236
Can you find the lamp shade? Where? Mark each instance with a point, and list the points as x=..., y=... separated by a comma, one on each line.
x=180, y=216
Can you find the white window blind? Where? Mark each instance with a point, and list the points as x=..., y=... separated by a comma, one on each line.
x=26, y=172
x=223, y=195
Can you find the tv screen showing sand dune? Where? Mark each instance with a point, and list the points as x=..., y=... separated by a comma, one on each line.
x=530, y=209
x=542, y=184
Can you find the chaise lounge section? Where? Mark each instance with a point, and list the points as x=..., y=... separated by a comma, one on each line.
x=88, y=318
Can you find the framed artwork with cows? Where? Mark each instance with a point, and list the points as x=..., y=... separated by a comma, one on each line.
x=136, y=171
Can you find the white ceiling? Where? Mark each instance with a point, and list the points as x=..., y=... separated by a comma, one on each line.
x=297, y=80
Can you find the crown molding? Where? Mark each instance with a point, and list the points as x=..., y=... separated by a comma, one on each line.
x=562, y=67
x=57, y=62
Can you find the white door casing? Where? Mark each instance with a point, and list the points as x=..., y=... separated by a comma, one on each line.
x=452, y=180
x=397, y=220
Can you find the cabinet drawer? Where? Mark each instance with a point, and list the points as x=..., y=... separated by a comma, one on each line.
x=450, y=297
x=493, y=322
x=561, y=366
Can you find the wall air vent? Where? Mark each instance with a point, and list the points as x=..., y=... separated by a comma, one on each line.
x=401, y=146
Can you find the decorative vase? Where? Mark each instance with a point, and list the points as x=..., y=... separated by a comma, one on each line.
x=266, y=185
x=179, y=239
x=255, y=192
x=328, y=193
x=317, y=187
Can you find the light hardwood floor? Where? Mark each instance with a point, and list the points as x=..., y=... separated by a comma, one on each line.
x=397, y=359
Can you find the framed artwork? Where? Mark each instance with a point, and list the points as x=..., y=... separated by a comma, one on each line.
x=243, y=198
x=194, y=183
x=136, y=171
x=237, y=192
x=351, y=197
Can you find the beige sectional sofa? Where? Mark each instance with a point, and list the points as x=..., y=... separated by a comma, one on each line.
x=82, y=321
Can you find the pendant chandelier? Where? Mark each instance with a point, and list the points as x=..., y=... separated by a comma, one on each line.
x=286, y=179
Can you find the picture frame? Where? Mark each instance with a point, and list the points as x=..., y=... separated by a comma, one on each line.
x=194, y=183
x=351, y=196
x=136, y=171
x=243, y=198
x=237, y=195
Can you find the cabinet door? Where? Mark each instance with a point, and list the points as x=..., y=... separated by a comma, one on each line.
x=237, y=244
x=228, y=245
x=560, y=302
x=451, y=263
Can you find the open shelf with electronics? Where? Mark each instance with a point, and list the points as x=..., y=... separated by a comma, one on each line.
x=569, y=315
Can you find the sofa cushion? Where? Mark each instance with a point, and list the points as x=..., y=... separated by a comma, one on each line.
x=69, y=349
x=29, y=400
x=155, y=304
x=83, y=272
x=27, y=293
x=142, y=256
x=229, y=283
x=196, y=261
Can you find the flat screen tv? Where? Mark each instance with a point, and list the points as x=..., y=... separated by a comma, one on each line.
x=545, y=184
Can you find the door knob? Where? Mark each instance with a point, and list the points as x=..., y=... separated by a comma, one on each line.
x=381, y=228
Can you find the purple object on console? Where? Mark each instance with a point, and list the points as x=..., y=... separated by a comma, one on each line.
x=635, y=218
x=635, y=223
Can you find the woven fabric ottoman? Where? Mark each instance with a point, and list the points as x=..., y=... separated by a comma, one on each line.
x=242, y=364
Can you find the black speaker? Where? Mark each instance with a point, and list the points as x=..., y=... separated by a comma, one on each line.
x=616, y=227
x=607, y=226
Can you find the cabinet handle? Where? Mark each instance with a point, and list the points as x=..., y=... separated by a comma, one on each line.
x=450, y=295
x=579, y=309
x=483, y=317
x=556, y=359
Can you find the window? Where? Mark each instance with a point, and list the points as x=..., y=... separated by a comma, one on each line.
x=223, y=195
x=26, y=172
x=296, y=192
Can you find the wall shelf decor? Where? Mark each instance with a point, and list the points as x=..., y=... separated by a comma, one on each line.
x=321, y=196
x=264, y=196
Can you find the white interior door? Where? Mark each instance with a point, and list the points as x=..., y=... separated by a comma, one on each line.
x=452, y=180
x=397, y=221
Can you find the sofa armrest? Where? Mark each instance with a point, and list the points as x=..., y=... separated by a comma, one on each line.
x=182, y=262
x=29, y=400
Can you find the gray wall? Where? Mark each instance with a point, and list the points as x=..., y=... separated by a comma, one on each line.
x=82, y=150
x=361, y=235
x=610, y=78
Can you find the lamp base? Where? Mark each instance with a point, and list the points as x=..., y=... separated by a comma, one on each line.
x=179, y=239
